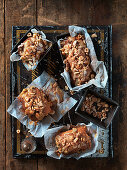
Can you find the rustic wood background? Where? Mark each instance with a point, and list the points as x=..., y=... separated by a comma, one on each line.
x=65, y=12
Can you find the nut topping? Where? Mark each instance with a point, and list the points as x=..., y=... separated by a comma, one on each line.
x=73, y=141
x=35, y=103
x=32, y=48
x=77, y=59
x=96, y=107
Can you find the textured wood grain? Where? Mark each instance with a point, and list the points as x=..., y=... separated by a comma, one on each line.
x=97, y=12
x=16, y=13
x=120, y=89
x=2, y=89
x=115, y=13
x=53, y=12
x=63, y=12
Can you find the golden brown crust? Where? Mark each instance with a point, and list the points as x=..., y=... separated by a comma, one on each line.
x=32, y=48
x=73, y=141
x=35, y=103
x=77, y=59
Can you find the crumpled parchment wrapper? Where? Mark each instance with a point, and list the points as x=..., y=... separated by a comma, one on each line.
x=42, y=82
x=16, y=57
x=97, y=66
x=49, y=139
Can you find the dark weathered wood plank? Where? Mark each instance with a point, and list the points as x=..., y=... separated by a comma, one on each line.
x=53, y=12
x=2, y=89
x=120, y=89
x=115, y=13
x=109, y=12
x=16, y=13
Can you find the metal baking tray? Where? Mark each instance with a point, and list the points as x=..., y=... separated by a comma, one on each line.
x=53, y=64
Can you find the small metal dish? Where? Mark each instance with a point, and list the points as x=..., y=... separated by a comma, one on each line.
x=110, y=115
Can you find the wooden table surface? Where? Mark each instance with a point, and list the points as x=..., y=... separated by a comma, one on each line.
x=65, y=12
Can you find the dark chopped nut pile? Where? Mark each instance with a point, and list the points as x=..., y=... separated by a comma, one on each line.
x=32, y=48
x=96, y=106
x=77, y=59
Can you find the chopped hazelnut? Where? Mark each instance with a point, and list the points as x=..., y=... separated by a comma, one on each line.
x=99, y=41
x=94, y=35
x=66, y=87
x=104, y=115
x=106, y=105
x=92, y=76
x=29, y=34
x=106, y=109
x=103, y=111
x=18, y=131
x=86, y=50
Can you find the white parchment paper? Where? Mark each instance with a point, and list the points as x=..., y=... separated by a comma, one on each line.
x=97, y=66
x=16, y=57
x=42, y=82
x=49, y=139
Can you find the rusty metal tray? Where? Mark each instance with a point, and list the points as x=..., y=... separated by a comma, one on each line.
x=52, y=63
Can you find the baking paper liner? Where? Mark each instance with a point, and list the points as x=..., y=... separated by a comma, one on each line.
x=49, y=139
x=42, y=82
x=16, y=57
x=98, y=67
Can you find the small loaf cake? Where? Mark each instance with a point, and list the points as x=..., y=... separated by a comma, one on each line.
x=35, y=103
x=77, y=59
x=73, y=141
x=32, y=48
